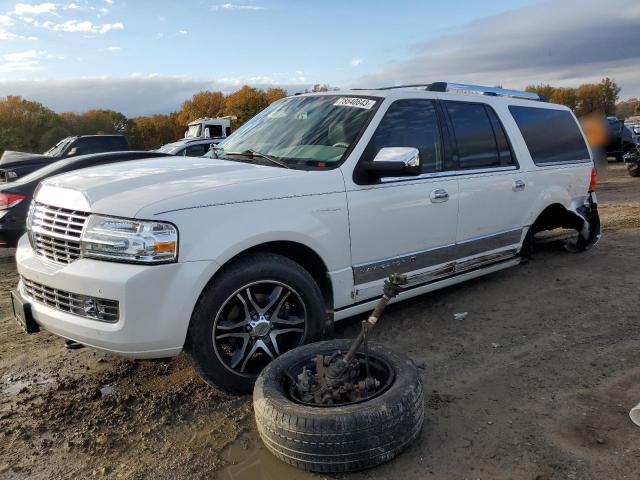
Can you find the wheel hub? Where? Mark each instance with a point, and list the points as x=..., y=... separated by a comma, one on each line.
x=260, y=327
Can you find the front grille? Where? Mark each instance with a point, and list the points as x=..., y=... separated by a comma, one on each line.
x=55, y=232
x=81, y=305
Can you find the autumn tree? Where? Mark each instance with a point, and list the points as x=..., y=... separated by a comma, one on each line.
x=585, y=99
x=23, y=123
x=628, y=108
x=274, y=94
x=148, y=133
x=201, y=104
x=245, y=103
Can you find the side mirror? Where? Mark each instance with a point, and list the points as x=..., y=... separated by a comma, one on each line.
x=73, y=151
x=395, y=162
x=207, y=132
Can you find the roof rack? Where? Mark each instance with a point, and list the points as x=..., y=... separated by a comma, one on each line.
x=465, y=88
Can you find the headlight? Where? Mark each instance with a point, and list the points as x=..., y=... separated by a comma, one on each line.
x=124, y=240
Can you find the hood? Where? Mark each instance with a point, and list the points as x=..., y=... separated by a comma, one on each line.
x=149, y=187
x=10, y=157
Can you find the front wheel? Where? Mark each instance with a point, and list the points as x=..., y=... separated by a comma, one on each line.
x=256, y=309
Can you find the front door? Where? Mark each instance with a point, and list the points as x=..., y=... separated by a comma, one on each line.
x=401, y=225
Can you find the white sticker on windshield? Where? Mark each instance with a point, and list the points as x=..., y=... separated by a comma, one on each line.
x=365, y=103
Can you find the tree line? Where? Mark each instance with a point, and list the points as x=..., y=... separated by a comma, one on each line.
x=30, y=126
x=590, y=98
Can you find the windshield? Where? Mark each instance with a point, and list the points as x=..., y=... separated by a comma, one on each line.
x=194, y=131
x=168, y=148
x=58, y=148
x=316, y=130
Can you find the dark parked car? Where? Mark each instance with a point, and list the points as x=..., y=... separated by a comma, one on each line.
x=620, y=139
x=15, y=197
x=632, y=161
x=17, y=164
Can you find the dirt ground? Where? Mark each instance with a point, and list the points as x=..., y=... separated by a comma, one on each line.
x=535, y=383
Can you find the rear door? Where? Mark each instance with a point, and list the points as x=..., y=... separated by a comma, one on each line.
x=493, y=190
x=408, y=224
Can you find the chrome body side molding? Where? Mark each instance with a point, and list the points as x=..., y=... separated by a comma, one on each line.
x=449, y=255
x=366, y=306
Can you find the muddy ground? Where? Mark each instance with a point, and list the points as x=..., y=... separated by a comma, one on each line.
x=535, y=383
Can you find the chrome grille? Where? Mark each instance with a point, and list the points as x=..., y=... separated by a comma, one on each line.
x=55, y=232
x=81, y=305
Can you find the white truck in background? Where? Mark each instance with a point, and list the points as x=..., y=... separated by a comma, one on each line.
x=218, y=128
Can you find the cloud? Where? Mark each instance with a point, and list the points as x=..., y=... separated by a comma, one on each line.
x=182, y=32
x=72, y=6
x=5, y=21
x=23, y=9
x=235, y=6
x=20, y=61
x=133, y=95
x=355, y=62
x=82, y=26
x=563, y=42
x=9, y=36
x=114, y=49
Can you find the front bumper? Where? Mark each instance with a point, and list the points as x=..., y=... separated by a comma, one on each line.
x=155, y=302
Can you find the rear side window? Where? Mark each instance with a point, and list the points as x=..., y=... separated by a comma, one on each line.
x=479, y=136
x=410, y=123
x=551, y=135
x=116, y=143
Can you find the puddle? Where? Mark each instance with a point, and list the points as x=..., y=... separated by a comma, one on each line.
x=13, y=386
x=249, y=459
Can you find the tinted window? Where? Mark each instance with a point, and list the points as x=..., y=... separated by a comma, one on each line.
x=196, y=150
x=410, y=123
x=89, y=145
x=116, y=143
x=504, y=148
x=215, y=130
x=475, y=137
x=550, y=135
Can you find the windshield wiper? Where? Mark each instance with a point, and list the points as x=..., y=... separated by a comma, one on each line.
x=254, y=153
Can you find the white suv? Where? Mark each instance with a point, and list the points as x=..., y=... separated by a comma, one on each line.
x=308, y=208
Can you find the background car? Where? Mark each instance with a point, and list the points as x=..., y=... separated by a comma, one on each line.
x=190, y=147
x=15, y=197
x=17, y=164
x=621, y=139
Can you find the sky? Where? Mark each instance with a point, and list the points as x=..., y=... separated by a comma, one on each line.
x=142, y=57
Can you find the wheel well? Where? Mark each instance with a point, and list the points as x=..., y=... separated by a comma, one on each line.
x=304, y=256
x=556, y=216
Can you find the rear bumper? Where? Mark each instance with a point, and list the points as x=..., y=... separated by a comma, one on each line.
x=155, y=302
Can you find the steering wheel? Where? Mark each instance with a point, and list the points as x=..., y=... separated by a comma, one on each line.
x=341, y=144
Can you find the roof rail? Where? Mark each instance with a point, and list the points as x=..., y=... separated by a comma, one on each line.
x=494, y=91
x=465, y=88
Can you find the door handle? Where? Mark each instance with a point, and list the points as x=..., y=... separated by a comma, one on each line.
x=439, y=195
x=518, y=186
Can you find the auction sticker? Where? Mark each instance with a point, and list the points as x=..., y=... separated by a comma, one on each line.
x=357, y=102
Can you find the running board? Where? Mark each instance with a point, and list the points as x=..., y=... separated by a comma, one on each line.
x=368, y=305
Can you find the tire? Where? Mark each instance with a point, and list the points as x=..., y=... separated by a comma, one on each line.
x=634, y=172
x=342, y=438
x=226, y=296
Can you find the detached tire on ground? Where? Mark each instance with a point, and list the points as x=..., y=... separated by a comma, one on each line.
x=338, y=438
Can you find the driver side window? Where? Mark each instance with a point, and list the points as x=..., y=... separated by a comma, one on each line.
x=410, y=123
